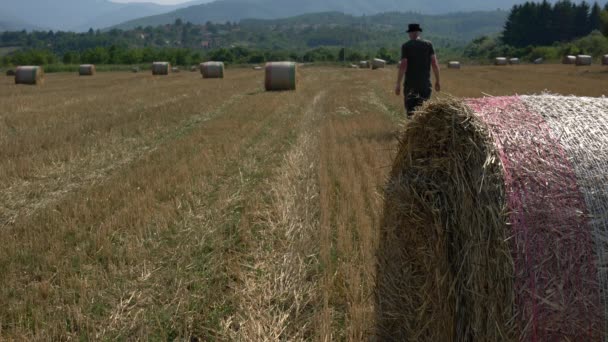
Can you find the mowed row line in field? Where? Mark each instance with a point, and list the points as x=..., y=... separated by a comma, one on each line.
x=176, y=207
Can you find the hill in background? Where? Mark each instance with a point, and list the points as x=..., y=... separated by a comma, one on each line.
x=457, y=27
x=75, y=15
x=297, y=34
x=235, y=10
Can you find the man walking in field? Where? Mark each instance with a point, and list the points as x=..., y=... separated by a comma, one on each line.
x=417, y=58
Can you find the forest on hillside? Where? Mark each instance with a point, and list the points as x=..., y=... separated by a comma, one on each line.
x=541, y=30
x=543, y=23
x=318, y=36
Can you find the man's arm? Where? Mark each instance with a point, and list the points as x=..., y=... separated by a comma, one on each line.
x=435, y=65
x=400, y=75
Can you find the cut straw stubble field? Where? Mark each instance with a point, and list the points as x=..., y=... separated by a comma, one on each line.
x=50, y=146
x=161, y=227
x=141, y=207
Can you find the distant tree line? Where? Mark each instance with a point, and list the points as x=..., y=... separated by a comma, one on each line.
x=115, y=55
x=543, y=24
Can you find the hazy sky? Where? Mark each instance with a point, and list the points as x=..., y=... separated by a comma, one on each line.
x=163, y=2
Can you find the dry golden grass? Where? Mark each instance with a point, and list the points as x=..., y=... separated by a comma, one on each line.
x=140, y=207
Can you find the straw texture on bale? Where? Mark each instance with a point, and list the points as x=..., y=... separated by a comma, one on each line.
x=212, y=69
x=584, y=60
x=454, y=65
x=364, y=65
x=513, y=60
x=87, y=70
x=501, y=61
x=378, y=63
x=29, y=75
x=605, y=60
x=280, y=76
x=161, y=68
x=496, y=222
x=569, y=60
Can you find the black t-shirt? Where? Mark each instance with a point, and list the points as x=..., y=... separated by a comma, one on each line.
x=418, y=53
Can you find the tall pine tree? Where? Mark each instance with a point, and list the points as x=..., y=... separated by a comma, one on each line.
x=595, y=18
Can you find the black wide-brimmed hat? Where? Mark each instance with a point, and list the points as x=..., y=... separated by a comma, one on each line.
x=414, y=28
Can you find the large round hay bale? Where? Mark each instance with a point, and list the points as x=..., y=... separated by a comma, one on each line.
x=281, y=76
x=212, y=69
x=29, y=75
x=584, y=60
x=501, y=61
x=87, y=70
x=453, y=65
x=496, y=222
x=569, y=59
x=605, y=60
x=378, y=63
x=513, y=61
x=161, y=68
x=364, y=64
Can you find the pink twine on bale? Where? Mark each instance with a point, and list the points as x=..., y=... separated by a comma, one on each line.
x=557, y=293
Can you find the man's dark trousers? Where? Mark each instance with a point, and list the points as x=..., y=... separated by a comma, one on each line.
x=414, y=98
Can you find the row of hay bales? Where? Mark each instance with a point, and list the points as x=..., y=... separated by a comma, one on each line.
x=495, y=226
x=284, y=72
x=582, y=60
x=576, y=60
x=278, y=76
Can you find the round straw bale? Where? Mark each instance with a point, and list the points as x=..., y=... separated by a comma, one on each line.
x=605, y=60
x=584, y=60
x=495, y=222
x=161, y=68
x=539, y=61
x=29, y=75
x=212, y=69
x=501, y=61
x=378, y=63
x=281, y=76
x=569, y=59
x=364, y=65
x=453, y=65
x=513, y=60
x=87, y=70
x=10, y=72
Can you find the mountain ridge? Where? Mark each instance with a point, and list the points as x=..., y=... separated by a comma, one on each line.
x=78, y=15
x=235, y=10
